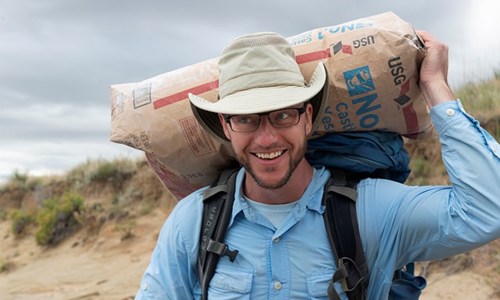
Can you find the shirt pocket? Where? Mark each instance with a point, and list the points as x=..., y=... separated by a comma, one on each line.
x=230, y=284
x=317, y=286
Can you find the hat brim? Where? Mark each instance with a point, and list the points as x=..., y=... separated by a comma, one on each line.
x=260, y=100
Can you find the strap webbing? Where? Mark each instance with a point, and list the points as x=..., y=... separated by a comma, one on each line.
x=218, y=206
x=342, y=228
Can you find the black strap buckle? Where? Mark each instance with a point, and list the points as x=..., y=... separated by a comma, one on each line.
x=221, y=249
x=349, y=273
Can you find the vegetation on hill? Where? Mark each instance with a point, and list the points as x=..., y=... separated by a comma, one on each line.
x=53, y=207
x=120, y=191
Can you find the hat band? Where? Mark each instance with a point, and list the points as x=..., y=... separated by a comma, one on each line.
x=261, y=80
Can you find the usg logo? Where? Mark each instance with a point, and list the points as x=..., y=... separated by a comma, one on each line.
x=359, y=81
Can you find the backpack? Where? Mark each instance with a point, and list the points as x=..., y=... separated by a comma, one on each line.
x=339, y=199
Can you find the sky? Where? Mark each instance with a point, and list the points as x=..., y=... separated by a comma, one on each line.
x=58, y=59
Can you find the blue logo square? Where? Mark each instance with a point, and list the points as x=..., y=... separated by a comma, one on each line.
x=359, y=81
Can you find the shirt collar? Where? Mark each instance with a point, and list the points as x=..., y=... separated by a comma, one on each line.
x=311, y=199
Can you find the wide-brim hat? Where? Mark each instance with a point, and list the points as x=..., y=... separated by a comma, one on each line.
x=258, y=73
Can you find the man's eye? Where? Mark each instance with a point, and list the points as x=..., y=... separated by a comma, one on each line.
x=282, y=115
x=245, y=119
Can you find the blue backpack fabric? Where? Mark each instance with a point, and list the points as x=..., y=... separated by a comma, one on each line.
x=377, y=153
x=405, y=285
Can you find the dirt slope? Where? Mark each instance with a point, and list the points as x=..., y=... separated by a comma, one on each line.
x=106, y=268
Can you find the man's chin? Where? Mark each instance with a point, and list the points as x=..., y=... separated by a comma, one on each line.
x=270, y=181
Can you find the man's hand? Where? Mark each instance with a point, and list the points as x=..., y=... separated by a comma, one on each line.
x=434, y=71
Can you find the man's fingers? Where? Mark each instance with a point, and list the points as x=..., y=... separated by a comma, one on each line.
x=425, y=36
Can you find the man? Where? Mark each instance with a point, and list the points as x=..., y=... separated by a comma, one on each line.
x=266, y=112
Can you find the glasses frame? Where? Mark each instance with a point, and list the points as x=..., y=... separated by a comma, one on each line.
x=300, y=110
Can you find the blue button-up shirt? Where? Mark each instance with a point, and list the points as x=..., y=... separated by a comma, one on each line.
x=398, y=224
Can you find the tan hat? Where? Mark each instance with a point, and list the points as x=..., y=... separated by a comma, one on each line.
x=258, y=73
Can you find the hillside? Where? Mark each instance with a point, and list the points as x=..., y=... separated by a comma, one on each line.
x=89, y=234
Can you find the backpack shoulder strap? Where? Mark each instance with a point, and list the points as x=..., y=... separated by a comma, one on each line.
x=217, y=209
x=341, y=224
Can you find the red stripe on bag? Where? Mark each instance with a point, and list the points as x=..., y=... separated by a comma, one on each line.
x=312, y=56
x=184, y=94
x=411, y=119
x=405, y=88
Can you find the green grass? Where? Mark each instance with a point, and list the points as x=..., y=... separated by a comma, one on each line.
x=481, y=98
x=115, y=171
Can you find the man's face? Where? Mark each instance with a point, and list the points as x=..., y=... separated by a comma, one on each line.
x=270, y=154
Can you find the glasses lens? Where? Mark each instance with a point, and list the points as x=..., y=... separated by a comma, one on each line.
x=284, y=117
x=245, y=123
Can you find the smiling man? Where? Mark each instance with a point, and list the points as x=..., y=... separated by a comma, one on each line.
x=271, y=148
x=266, y=111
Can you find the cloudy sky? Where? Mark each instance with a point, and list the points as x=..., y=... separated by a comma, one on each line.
x=59, y=57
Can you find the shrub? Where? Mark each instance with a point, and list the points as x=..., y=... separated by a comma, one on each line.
x=105, y=171
x=6, y=266
x=419, y=171
x=17, y=181
x=20, y=221
x=18, y=178
x=56, y=219
x=3, y=215
x=115, y=172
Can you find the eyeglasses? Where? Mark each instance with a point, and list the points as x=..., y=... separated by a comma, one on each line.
x=279, y=118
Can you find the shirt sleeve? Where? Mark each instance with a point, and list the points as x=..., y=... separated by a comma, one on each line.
x=401, y=224
x=171, y=271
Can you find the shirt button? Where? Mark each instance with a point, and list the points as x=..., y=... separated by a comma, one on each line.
x=277, y=285
x=144, y=286
x=276, y=240
x=496, y=149
x=450, y=112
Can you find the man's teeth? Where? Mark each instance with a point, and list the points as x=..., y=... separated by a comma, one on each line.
x=271, y=155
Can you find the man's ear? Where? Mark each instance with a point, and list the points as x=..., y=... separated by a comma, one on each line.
x=225, y=127
x=308, y=116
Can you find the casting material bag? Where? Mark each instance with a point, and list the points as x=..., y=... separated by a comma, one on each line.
x=372, y=65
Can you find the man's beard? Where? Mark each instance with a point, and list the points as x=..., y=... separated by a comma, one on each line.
x=294, y=162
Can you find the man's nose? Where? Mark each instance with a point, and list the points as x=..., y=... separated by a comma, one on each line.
x=266, y=133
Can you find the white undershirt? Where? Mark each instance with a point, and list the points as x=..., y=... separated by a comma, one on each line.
x=275, y=213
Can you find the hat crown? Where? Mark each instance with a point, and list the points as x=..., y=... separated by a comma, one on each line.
x=255, y=40
x=258, y=60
